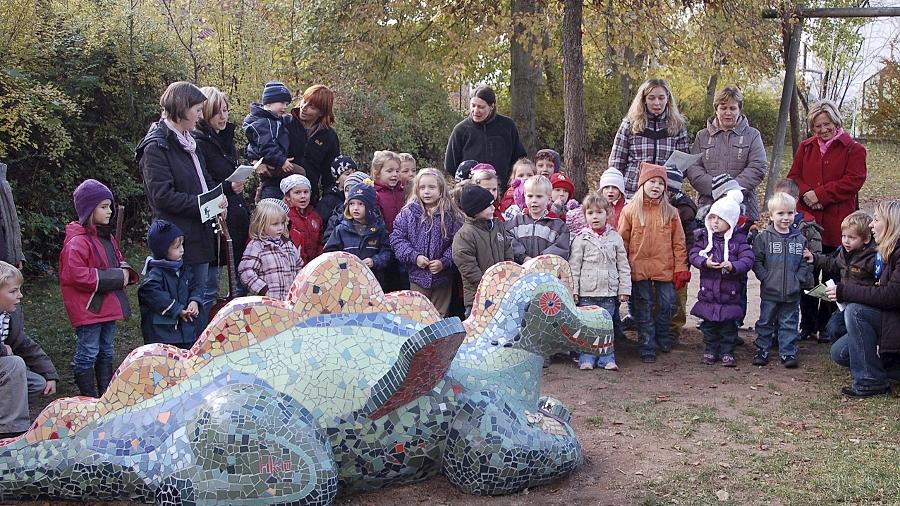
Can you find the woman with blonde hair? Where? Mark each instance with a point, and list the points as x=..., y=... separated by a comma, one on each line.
x=651, y=131
x=830, y=169
x=872, y=343
x=215, y=139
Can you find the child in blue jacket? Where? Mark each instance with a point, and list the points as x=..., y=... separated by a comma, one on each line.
x=169, y=309
x=362, y=231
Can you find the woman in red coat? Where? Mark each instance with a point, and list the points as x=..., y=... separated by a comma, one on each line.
x=830, y=169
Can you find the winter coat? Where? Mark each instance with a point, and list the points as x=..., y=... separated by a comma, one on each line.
x=687, y=212
x=477, y=246
x=546, y=236
x=314, y=153
x=332, y=201
x=885, y=296
x=413, y=237
x=269, y=267
x=613, y=219
x=267, y=137
x=852, y=267
x=811, y=230
x=719, y=299
x=333, y=221
x=656, y=251
x=836, y=178
x=36, y=360
x=90, y=276
x=306, y=232
x=495, y=141
x=779, y=265
x=652, y=145
x=221, y=159
x=738, y=152
x=162, y=296
x=172, y=188
x=364, y=241
x=390, y=201
x=600, y=264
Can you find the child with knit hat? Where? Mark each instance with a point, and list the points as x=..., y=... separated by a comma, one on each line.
x=547, y=162
x=333, y=198
x=612, y=186
x=724, y=257
x=93, y=275
x=169, y=308
x=337, y=215
x=561, y=201
x=654, y=238
x=271, y=261
x=305, y=223
x=480, y=243
x=267, y=137
x=687, y=212
x=362, y=231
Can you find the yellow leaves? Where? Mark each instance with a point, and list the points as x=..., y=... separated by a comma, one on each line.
x=30, y=117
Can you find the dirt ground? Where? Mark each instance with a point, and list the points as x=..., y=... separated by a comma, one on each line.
x=646, y=423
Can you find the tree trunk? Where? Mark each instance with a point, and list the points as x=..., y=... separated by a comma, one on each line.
x=525, y=74
x=708, y=106
x=573, y=101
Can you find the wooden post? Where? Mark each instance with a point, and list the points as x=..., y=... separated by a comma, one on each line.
x=787, y=92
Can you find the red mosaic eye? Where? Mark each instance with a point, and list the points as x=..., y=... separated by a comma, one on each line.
x=550, y=303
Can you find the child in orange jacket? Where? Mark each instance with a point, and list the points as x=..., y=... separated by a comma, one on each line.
x=654, y=239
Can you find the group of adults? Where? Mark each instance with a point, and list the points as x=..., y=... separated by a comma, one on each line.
x=829, y=168
x=192, y=149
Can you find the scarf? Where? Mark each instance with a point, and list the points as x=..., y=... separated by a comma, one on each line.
x=165, y=263
x=824, y=145
x=187, y=142
x=4, y=326
x=879, y=266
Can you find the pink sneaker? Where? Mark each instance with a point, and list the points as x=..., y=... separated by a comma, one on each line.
x=611, y=366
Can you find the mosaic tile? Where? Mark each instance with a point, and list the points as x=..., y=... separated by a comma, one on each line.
x=338, y=389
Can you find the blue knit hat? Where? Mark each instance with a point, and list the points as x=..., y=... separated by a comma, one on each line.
x=365, y=193
x=275, y=91
x=160, y=236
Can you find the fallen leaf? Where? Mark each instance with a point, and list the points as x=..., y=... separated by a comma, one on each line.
x=753, y=387
x=726, y=465
x=722, y=495
x=854, y=440
x=695, y=463
x=775, y=392
x=639, y=472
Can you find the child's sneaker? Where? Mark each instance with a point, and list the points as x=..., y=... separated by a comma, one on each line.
x=789, y=361
x=648, y=359
x=728, y=360
x=586, y=366
x=611, y=367
x=761, y=358
x=708, y=359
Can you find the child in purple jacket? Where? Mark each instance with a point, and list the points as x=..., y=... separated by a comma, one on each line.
x=422, y=237
x=723, y=256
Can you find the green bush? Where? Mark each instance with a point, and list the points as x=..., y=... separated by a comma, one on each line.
x=73, y=112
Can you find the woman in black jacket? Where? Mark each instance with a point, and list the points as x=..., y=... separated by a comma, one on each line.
x=314, y=143
x=485, y=136
x=174, y=173
x=215, y=139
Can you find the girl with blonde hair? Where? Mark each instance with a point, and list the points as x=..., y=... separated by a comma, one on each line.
x=271, y=261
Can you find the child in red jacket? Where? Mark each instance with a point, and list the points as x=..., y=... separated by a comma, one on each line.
x=306, y=224
x=93, y=275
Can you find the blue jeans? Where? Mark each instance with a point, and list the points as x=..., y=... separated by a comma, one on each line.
x=719, y=337
x=206, y=276
x=781, y=318
x=835, y=328
x=611, y=305
x=271, y=192
x=856, y=349
x=653, y=331
x=94, y=343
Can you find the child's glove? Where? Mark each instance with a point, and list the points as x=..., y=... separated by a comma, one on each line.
x=681, y=279
x=572, y=204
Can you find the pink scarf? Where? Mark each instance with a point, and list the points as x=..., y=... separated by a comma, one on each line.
x=823, y=145
x=187, y=142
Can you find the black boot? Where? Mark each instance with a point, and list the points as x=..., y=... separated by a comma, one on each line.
x=104, y=371
x=87, y=382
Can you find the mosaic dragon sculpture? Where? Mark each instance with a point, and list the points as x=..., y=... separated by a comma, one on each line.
x=338, y=389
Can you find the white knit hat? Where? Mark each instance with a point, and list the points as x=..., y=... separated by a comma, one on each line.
x=728, y=208
x=612, y=177
x=292, y=181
